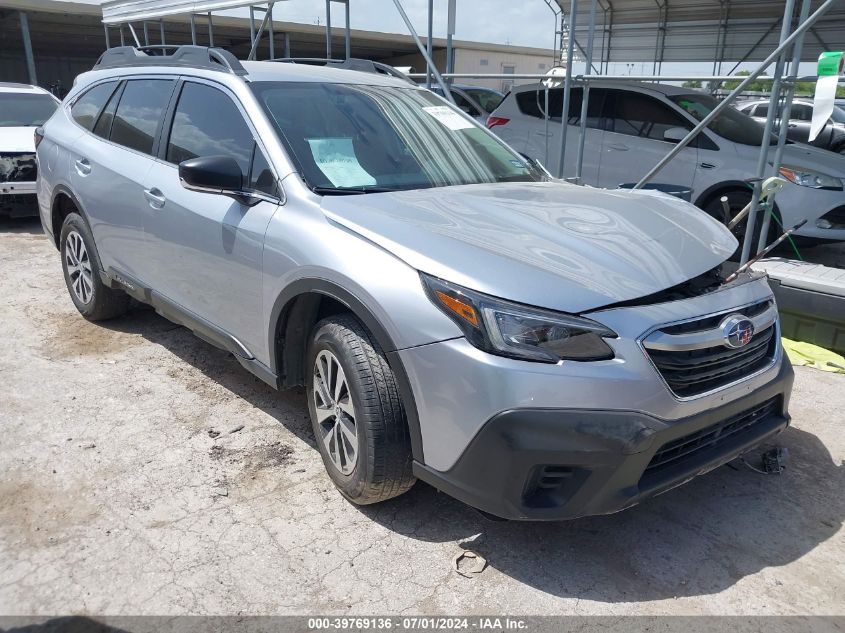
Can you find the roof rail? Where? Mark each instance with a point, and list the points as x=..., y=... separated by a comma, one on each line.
x=352, y=63
x=210, y=58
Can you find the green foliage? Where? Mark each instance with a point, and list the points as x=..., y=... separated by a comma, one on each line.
x=694, y=83
x=802, y=88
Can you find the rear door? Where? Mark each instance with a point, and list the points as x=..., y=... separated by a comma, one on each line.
x=633, y=141
x=207, y=248
x=111, y=162
x=542, y=136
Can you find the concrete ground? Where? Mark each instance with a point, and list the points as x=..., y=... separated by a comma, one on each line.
x=116, y=499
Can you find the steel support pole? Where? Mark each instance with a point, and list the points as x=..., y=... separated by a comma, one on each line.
x=161, y=31
x=774, y=100
x=347, y=36
x=194, y=29
x=567, y=85
x=450, y=32
x=797, y=50
x=827, y=4
x=210, y=30
x=122, y=38
x=134, y=35
x=270, y=33
x=27, y=48
x=146, y=34
x=586, y=93
x=251, y=26
x=328, y=29
x=437, y=76
x=106, y=32
x=429, y=45
x=260, y=32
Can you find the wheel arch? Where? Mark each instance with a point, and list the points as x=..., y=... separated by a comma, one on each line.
x=60, y=208
x=719, y=189
x=298, y=308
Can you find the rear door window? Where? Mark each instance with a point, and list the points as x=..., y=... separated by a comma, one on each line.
x=140, y=112
x=636, y=114
x=86, y=108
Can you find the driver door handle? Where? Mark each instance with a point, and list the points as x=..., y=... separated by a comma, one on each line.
x=619, y=148
x=155, y=197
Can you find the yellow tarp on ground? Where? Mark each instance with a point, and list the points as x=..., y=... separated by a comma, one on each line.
x=813, y=356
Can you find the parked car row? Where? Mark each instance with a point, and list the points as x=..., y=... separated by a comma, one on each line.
x=631, y=126
x=537, y=349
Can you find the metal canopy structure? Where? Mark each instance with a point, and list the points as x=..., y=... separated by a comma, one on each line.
x=715, y=31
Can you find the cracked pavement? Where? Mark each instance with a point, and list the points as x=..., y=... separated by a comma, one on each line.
x=116, y=500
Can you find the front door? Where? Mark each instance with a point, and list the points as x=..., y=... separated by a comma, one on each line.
x=208, y=247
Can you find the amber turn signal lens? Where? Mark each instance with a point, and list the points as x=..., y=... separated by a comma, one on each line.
x=463, y=310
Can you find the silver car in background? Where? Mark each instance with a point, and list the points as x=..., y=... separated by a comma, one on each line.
x=536, y=349
x=831, y=137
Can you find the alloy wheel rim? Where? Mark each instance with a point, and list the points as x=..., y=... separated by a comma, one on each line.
x=335, y=412
x=78, y=266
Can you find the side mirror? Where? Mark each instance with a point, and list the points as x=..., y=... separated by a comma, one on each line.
x=675, y=134
x=213, y=174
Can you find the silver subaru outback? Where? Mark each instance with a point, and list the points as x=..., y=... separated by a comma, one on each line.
x=535, y=349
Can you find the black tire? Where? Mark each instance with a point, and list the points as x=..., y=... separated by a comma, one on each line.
x=382, y=467
x=737, y=200
x=102, y=302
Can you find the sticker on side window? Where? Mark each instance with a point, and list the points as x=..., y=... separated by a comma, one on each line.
x=336, y=158
x=448, y=117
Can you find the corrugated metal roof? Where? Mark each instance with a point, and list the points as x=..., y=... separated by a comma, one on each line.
x=698, y=30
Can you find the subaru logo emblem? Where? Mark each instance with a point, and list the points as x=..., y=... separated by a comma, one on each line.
x=737, y=331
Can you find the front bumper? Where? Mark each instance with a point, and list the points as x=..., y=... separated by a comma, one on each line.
x=552, y=464
x=18, y=199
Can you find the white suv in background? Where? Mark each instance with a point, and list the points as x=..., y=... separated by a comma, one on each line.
x=631, y=126
x=22, y=109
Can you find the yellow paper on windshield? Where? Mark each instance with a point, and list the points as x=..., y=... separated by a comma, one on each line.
x=337, y=160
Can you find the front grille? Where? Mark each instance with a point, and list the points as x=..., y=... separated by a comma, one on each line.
x=692, y=372
x=17, y=167
x=677, y=452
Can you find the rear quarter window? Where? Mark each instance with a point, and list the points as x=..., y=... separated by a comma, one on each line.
x=86, y=108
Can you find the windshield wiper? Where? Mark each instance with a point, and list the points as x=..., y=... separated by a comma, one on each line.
x=341, y=191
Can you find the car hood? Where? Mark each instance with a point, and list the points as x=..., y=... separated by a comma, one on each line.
x=551, y=244
x=801, y=155
x=17, y=139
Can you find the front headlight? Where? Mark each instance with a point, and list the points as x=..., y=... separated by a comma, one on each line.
x=511, y=329
x=808, y=178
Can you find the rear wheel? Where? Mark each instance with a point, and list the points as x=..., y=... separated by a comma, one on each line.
x=737, y=201
x=356, y=413
x=94, y=300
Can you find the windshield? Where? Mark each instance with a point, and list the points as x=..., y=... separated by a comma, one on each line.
x=348, y=138
x=21, y=110
x=487, y=99
x=731, y=124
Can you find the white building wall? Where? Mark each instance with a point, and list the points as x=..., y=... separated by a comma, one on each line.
x=469, y=60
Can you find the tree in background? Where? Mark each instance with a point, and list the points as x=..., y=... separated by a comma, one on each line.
x=693, y=83
x=802, y=88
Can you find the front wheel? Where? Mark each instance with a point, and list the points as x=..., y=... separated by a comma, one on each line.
x=356, y=413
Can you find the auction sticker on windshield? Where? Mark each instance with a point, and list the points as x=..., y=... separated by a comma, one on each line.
x=336, y=158
x=448, y=117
